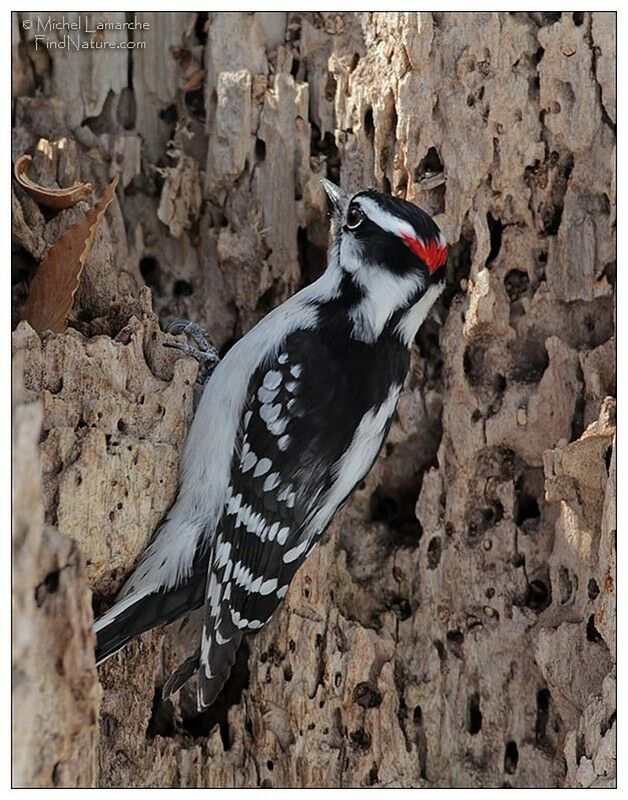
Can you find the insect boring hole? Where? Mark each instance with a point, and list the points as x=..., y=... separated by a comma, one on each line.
x=397, y=511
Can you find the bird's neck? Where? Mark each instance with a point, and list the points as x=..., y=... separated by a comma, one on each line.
x=373, y=301
x=409, y=321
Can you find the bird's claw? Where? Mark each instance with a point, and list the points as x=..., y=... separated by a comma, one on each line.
x=201, y=350
x=191, y=329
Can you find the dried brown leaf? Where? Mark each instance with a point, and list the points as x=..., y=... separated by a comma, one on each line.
x=56, y=199
x=187, y=62
x=195, y=81
x=51, y=292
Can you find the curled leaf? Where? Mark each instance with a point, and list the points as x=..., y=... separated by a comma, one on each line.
x=195, y=81
x=56, y=199
x=186, y=60
x=52, y=289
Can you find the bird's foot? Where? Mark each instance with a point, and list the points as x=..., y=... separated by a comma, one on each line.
x=199, y=347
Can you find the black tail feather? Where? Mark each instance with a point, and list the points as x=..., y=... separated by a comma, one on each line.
x=220, y=660
x=146, y=613
x=181, y=675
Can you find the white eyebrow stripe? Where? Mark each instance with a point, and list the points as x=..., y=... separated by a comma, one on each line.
x=387, y=222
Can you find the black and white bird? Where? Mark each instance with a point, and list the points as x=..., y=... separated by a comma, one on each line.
x=288, y=425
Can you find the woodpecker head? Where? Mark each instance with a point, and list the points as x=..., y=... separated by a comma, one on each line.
x=390, y=254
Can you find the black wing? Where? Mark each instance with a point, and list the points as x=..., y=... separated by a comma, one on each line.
x=302, y=413
x=282, y=464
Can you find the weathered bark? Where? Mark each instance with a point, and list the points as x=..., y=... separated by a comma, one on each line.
x=457, y=627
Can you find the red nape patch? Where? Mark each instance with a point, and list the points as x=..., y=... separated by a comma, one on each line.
x=433, y=253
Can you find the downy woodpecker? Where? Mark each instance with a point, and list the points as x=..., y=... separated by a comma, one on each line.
x=289, y=423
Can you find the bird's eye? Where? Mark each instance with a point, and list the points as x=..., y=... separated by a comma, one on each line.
x=355, y=216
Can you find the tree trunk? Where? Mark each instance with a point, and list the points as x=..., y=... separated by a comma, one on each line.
x=457, y=626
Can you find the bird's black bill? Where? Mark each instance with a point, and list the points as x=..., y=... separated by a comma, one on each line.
x=337, y=197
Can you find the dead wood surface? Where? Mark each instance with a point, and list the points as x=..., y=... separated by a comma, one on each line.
x=457, y=627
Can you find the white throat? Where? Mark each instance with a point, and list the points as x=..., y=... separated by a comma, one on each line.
x=409, y=324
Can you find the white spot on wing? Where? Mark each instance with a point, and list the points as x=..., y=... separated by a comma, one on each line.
x=296, y=370
x=283, y=443
x=283, y=494
x=213, y=594
x=268, y=586
x=242, y=575
x=269, y=413
x=234, y=504
x=278, y=427
x=264, y=533
x=263, y=465
x=266, y=395
x=283, y=358
x=223, y=551
x=272, y=379
x=255, y=523
x=295, y=552
x=249, y=462
x=205, y=647
x=281, y=593
x=271, y=481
